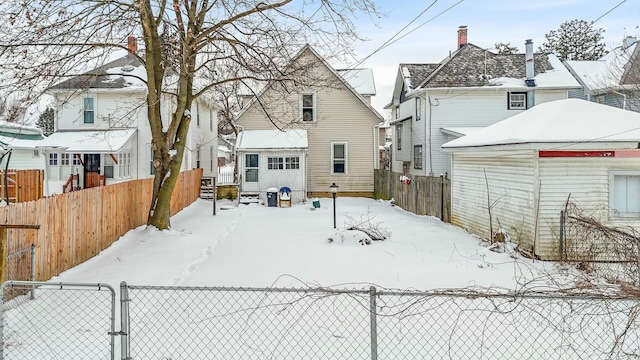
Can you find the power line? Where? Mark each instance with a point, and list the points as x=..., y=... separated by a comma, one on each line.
x=607, y=13
x=394, y=38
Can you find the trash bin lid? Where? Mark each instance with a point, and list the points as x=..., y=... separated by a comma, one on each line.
x=272, y=189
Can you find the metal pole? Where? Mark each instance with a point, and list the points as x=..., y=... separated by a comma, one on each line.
x=374, y=323
x=562, y=257
x=32, y=276
x=334, y=210
x=2, y=321
x=124, y=321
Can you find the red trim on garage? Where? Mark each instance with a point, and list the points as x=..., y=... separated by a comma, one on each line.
x=570, y=153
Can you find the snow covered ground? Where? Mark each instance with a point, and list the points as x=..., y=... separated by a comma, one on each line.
x=258, y=246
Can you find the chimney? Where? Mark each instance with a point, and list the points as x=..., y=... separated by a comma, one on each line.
x=529, y=72
x=132, y=44
x=462, y=36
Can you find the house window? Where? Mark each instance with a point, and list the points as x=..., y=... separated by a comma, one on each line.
x=152, y=170
x=124, y=165
x=53, y=159
x=211, y=157
x=339, y=158
x=75, y=160
x=517, y=100
x=624, y=193
x=308, y=107
x=292, y=163
x=417, y=156
x=88, y=107
x=198, y=158
x=600, y=99
x=275, y=163
x=418, y=110
x=399, y=137
x=211, y=120
x=109, y=165
x=64, y=159
x=251, y=168
x=197, y=115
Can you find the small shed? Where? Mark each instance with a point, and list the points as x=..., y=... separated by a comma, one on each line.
x=523, y=169
x=272, y=159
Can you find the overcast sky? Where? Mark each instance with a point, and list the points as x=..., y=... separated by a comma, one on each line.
x=488, y=22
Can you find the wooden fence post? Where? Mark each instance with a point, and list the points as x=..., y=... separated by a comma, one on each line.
x=4, y=245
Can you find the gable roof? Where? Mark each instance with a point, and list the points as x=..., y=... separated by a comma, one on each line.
x=89, y=141
x=124, y=72
x=611, y=71
x=562, y=121
x=346, y=83
x=472, y=66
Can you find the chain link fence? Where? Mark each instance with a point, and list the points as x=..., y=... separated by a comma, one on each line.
x=20, y=265
x=76, y=321
x=609, y=251
x=237, y=323
x=60, y=321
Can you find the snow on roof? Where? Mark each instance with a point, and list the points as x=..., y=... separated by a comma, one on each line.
x=96, y=141
x=360, y=79
x=561, y=121
x=272, y=139
x=604, y=72
x=558, y=77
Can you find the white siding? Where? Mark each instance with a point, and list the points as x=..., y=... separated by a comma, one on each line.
x=587, y=181
x=25, y=159
x=511, y=193
x=457, y=108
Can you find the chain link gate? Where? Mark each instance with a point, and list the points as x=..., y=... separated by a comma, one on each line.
x=60, y=321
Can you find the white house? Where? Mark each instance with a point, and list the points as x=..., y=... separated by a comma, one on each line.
x=22, y=142
x=525, y=168
x=614, y=79
x=273, y=159
x=102, y=133
x=470, y=89
x=339, y=121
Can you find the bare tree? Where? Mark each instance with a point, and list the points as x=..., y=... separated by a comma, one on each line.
x=191, y=47
x=506, y=48
x=575, y=40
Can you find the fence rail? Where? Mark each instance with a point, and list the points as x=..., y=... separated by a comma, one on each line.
x=78, y=225
x=422, y=195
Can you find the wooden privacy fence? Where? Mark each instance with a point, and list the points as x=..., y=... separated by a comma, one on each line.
x=22, y=185
x=422, y=195
x=78, y=225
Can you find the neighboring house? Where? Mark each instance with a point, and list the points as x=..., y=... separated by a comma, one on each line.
x=470, y=89
x=23, y=143
x=102, y=132
x=339, y=122
x=525, y=168
x=614, y=79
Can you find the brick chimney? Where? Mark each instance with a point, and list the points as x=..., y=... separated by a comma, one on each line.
x=462, y=36
x=132, y=44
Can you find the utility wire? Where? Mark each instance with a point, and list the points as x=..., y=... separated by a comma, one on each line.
x=607, y=13
x=395, y=37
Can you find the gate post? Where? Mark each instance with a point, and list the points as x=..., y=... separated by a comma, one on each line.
x=374, y=323
x=124, y=321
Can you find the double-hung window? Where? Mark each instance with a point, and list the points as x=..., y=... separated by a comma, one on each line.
x=517, y=101
x=418, y=108
x=339, y=158
x=308, y=108
x=89, y=110
x=399, y=137
x=417, y=156
x=624, y=192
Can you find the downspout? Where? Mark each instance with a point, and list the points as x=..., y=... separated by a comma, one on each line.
x=430, y=152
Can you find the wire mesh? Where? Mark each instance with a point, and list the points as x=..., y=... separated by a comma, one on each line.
x=231, y=323
x=19, y=266
x=62, y=321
